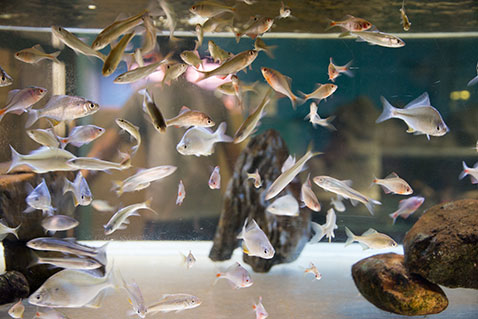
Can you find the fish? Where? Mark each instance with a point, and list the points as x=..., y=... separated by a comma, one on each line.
x=218, y=54
x=149, y=37
x=221, y=20
x=280, y=83
x=142, y=179
x=351, y=23
x=39, y=198
x=228, y=88
x=231, y=66
x=199, y=34
x=102, y=205
x=44, y=137
x=81, y=135
x=475, y=79
x=68, y=247
x=5, y=79
x=287, y=176
x=59, y=223
x=258, y=27
x=307, y=196
x=153, y=111
x=472, y=171
x=140, y=72
x=236, y=85
x=191, y=58
x=255, y=241
x=288, y=163
x=285, y=205
x=237, y=276
x=71, y=288
x=120, y=220
x=173, y=71
x=133, y=130
x=370, y=239
x=181, y=193
x=208, y=9
x=95, y=164
x=315, y=118
x=215, y=179
x=326, y=229
x=405, y=21
x=261, y=312
x=379, y=38
x=260, y=45
x=20, y=100
x=406, y=207
x=284, y=11
x=135, y=298
x=338, y=204
x=334, y=71
x=419, y=115
x=73, y=42
x=17, y=310
x=313, y=270
x=174, y=302
x=188, y=118
x=80, y=189
x=199, y=141
x=171, y=18
x=394, y=184
x=43, y=160
x=343, y=189
x=256, y=177
x=66, y=262
x=36, y=54
x=249, y=125
x=116, y=29
x=5, y=230
x=49, y=313
x=189, y=260
x=116, y=54
x=63, y=108
x=322, y=92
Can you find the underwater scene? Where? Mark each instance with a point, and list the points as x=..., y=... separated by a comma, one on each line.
x=238, y=159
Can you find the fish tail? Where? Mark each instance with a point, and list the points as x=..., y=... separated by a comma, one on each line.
x=3, y=112
x=371, y=203
x=319, y=233
x=295, y=100
x=17, y=159
x=464, y=173
x=332, y=24
x=35, y=260
x=394, y=217
x=63, y=142
x=304, y=97
x=15, y=231
x=329, y=125
x=134, y=149
x=115, y=278
x=347, y=70
x=54, y=55
x=32, y=117
x=67, y=186
x=101, y=255
x=387, y=112
x=350, y=236
x=221, y=133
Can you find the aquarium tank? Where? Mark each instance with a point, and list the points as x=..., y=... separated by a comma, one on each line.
x=238, y=159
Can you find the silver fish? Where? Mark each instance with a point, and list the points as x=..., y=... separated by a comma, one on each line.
x=315, y=119
x=215, y=179
x=233, y=65
x=66, y=262
x=133, y=130
x=81, y=135
x=370, y=239
x=94, y=164
x=200, y=141
x=59, y=223
x=237, y=276
x=394, y=184
x=36, y=54
x=135, y=298
x=171, y=18
x=16, y=311
x=39, y=198
x=286, y=205
x=173, y=71
x=143, y=178
x=313, y=270
x=472, y=171
x=149, y=38
x=379, y=38
x=406, y=207
x=138, y=73
x=20, y=101
x=188, y=118
x=260, y=45
x=288, y=163
x=322, y=92
x=208, y=9
x=259, y=26
x=120, y=219
x=74, y=43
x=181, y=193
x=261, y=312
x=80, y=189
x=45, y=137
x=42, y=160
x=5, y=230
x=189, y=260
x=102, y=205
x=5, y=79
x=49, y=313
x=307, y=196
x=191, y=58
x=116, y=54
x=175, y=302
x=326, y=229
x=218, y=54
x=255, y=241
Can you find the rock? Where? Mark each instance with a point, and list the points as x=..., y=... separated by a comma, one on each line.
x=13, y=286
x=288, y=235
x=385, y=282
x=442, y=246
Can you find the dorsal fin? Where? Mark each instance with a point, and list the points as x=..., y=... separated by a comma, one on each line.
x=422, y=100
x=370, y=231
x=184, y=109
x=392, y=175
x=347, y=182
x=38, y=47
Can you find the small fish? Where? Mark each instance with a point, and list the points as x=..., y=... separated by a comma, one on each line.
x=115, y=55
x=199, y=141
x=218, y=54
x=475, y=79
x=313, y=270
x=255, y=241
x=181, y=193
x=370, y=239
x=405, y=21
x=72, y=41
x=135, y=298
x=39, y=198
x=342, y=188
x=188, y=118
x=149, y=38
x=43, y=160
x=120, y=220
x=231, y=66
x=59, y=223
x=228, y=88
x=256, y=177
x=419, y=115
x=140, y=72
x=95, y=164
x=133, y=130
x=208, y=9
x=280, y=83
x=66, y=262
x=334, y=71
x=286, y=177
x=286, y=205
x=16, y=311
x=49, y=313
x=63, y=108
x=173, y=71
x=5, y=79
x=80, y=189
x=338, y=204
x=351, y=23
x=315, y=118
x=288, y=163
x=200, y=34
x=142, y=179
x=102, y=205
x=220, y=21
x=406, y=207
x=36, y=54
x=322, y=92
x=260, y=45
x=215, y=179
x=258, y=27
x=261, y=312
x=73, y=289
x=45, y=137
x=472, y=171
x=284, y=11
x=191, y=58
x=249, y=125
x=153, y=111
x=20, y=101
x=5, y=230
x=174, y=302
x=237, y=276
x=115, y=30
x=236, y=85
x=81, y=135
x=379, y=38
x=171, y=18
x=394, y=184
x=307, y=196
x=326, y=229
x=189, y=260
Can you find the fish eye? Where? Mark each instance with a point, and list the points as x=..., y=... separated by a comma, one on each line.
x=193, y=8
x=38, y=297
x=92, y=106
x=3, y=78
x=59, y=28
x=185, y=146
x=208, y=121
x=266, y=251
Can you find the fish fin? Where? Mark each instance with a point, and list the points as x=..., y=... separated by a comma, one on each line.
x=245, y=249
x=354, y=202
x=184, y=109
x=101, y=254
x=385, y=189
x=221, y=134
x=394, y=217
x=67, y=186
x=387, y=112
x=96, y=302
x=346, y=69
x=54, y=56
x=473, y=81
x=422, y=100
x=369, y=231
x=412, y=130
x=371, y=203
x=11, y=94
x=475, y=165
x=39, y=48
x=319, y=233
x=15, y=231
x=364, y=247
x=32, y=117
x=473, y=180
x=347, y=182
x=344, y=34
x=392, y=175
x=350, y=236
x=17, y=160
x=428, y=137
x=242, y=233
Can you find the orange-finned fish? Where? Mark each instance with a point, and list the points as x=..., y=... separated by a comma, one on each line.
x=335, y=70
x=351, y=23
x=215, y=179
x=208, y=9
x=233, y=65
x=322, y=92
x=313, y=270
x=394, y=184
x=181, y=193
x=280, y=83
x=406, y=207
x=315, y=118
x=472, y=171
x=36, y=54
x=237, y=275
x=188, y=118
x=261, y=312
x=405, y=22
x=259, y=26
x=307, y=196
